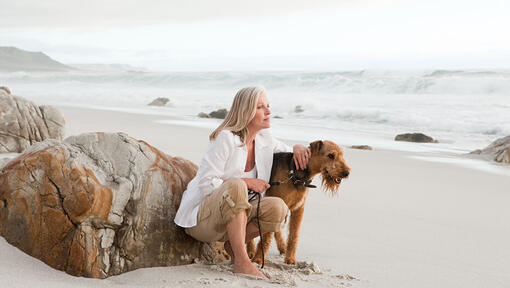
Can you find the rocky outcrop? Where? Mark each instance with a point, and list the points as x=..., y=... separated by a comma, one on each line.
x=362, y=147
x=97, y=204
x=22, y=123
x=218, y=114
x=161, y=101
x=415, y=137
x=498, y=150
x=7, y=90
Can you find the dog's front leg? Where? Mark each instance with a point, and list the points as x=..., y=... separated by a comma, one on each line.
x=267, y=241
x=250, y=248
x=280, y=242
x=296, y=217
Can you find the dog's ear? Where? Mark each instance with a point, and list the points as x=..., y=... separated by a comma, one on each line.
x=316, y=146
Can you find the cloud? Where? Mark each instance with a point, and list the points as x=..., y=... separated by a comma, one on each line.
x=75, y=13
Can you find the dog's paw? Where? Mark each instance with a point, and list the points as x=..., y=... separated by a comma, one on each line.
x=290, y=260
x=282, y=249
x=257, y=260
x=250, y=249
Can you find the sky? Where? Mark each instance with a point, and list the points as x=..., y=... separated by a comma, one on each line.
x=264, y=35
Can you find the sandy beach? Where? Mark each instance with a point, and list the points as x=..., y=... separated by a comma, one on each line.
x=398, y=222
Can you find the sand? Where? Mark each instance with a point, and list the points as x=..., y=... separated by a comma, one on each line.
x=399, y=221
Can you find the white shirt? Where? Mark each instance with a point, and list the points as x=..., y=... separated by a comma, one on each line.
x=225, y=158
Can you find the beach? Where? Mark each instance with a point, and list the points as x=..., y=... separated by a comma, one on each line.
x=400, y=220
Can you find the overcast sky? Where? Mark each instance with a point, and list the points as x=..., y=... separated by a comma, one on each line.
x=264, y=35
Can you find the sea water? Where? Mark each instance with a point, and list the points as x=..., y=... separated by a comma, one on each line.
x=464, y=110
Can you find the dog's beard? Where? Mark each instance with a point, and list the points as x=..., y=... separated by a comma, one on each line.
x=329, y=184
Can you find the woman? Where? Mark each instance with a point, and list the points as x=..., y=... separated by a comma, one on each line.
x=220, y=202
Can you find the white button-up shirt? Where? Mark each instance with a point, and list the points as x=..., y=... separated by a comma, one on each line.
x=225, y=158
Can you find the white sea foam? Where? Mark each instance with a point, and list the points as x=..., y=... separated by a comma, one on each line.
x=465, y=110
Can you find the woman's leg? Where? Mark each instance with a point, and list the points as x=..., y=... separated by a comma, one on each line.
x=223, y=216
x=236, y=230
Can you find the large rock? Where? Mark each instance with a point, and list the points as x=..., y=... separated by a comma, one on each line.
x=22, y=123
x=97, y=204
x=498, y=150
x=415, y=137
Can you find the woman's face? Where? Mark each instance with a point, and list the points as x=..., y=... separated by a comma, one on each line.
x=262, y=113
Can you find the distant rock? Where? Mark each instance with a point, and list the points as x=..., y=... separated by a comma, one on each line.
x=277, y=117
x=298, y=109
x=7, y=90
x=13, y=59
x=97, y=205
x=415, y=137
x=22, y=123
x=219, y=114
x=362, y=147
x=161, y=101
x=498, y=150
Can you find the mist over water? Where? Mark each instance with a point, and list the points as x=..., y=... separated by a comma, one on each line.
x=465, y=109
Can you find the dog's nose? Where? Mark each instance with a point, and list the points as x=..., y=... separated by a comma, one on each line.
x=345, y=173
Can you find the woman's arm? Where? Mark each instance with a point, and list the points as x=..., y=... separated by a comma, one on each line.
x=301, y=153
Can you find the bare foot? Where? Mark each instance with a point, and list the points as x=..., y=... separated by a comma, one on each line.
x=228, y=248
x=248, y=269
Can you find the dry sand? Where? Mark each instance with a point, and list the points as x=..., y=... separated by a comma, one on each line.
x=398, y=222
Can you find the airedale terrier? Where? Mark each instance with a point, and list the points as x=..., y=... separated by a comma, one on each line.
x=292, y=186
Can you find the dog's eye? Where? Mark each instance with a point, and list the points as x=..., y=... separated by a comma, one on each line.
x=331, y=156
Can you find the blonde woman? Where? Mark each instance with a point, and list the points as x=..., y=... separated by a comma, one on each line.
x=220, y=202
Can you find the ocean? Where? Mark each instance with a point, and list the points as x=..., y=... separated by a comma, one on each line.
x=464, y=110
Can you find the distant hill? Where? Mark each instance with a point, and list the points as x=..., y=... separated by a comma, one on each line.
x=13, y=59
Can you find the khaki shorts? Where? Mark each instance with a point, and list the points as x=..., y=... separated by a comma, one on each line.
x=231, y=198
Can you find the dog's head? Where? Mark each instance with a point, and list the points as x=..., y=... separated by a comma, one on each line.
x=328, y=159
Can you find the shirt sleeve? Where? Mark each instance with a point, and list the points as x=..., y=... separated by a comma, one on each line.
x=213, y=163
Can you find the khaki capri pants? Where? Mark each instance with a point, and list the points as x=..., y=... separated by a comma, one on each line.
x=224, y=203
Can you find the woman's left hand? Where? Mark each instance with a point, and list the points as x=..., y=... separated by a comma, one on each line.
x=301, y=156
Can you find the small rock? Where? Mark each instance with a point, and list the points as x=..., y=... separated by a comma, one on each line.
x=161, y=101
x=362, y=147
x=203, y=115
x=298, y=109
x=415, y=137
x=277, y=117
x=219, y=114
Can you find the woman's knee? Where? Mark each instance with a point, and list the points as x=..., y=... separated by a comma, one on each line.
x=237, y=189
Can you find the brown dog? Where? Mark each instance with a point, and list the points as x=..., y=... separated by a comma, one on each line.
x=292, y=186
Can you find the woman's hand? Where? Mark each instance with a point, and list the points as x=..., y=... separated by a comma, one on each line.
x=301, y=156
x=256, y=185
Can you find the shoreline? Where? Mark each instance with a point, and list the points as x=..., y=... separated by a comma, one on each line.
x=413, y=150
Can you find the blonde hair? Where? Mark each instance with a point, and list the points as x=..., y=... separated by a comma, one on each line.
x=241, y=113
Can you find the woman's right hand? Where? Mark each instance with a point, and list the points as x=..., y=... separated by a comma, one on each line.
x=256, y=185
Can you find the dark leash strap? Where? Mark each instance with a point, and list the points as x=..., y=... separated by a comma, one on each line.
x=251, y=196
x=260, y=231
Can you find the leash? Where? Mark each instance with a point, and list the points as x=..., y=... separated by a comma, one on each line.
x=260, y=232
